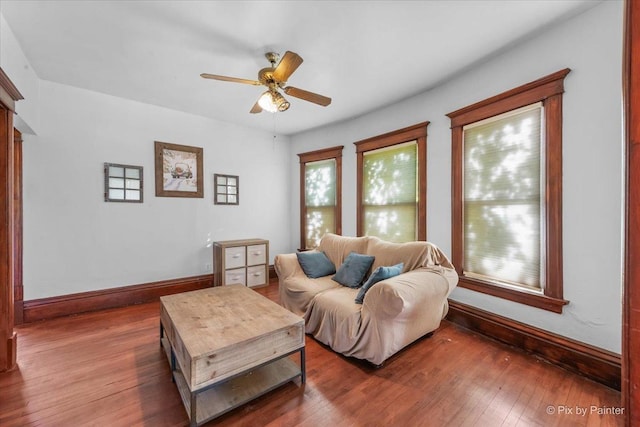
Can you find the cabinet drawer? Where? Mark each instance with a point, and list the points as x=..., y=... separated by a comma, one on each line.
x=256, y=275
x=236, y=276
x=234, y=257
x=256, y=254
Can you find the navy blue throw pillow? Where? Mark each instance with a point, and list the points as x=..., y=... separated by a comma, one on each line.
x=380, y=273
x=352, y=271
x=315, y=264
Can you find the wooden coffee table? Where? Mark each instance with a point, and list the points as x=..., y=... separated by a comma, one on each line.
x=228, y=345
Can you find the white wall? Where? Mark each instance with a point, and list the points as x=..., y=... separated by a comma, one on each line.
x=76, y=242
x=591, y=45
x=15, y=64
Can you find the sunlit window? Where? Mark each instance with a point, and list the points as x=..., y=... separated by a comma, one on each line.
x=320, y=175
x=391, y=185
x=506, y=222
x=390, y=192
x=320, y=200
x=503, y=198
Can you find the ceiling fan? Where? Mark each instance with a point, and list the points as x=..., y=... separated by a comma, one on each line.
x=275, y=78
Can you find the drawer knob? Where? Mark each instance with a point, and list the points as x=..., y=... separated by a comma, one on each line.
x=236, y=256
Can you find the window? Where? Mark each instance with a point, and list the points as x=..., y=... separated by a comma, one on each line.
x=122, y=183
x=507, y=194
x=320, y=195
x=392, y=185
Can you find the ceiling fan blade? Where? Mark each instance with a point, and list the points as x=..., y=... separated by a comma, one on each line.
x=230, y=79
x=256, y=108
x=307, y=96
x=288, y=64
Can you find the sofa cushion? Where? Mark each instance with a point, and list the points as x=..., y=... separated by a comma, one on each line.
x=353, y=270
x=379, y=274
x=315, y=264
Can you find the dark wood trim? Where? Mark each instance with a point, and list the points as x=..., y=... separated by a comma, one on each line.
x=65, y=305
x=359, y=192
x=592, y=362
x=553, y=219
x=303, y=204
x=549, y=90
x=9, y=93
x=530, y=93
x=314, y=156
x=7, y=336
x=520, y=296
x=416, y=132
x=322, y=154
x=422, y=187
x=392, y=138
x=18, y=292
x=631, y=282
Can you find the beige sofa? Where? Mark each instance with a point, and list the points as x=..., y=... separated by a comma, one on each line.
x=394, y=313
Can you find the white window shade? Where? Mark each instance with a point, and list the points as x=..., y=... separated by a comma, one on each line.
x=503, y=199
x=320, y=200
x=389, y=192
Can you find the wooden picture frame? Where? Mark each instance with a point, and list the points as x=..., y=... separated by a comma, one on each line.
x=178, y=170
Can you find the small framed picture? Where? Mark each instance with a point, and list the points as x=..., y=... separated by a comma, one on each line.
x=227, y=189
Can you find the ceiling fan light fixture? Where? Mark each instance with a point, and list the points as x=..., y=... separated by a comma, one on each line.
x=266, y=102
x=273, y=101
x=281, y=102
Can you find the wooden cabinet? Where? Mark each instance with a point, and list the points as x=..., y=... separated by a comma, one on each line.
x=243, y=261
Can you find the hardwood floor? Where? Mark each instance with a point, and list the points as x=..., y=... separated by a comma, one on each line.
x=107, y=369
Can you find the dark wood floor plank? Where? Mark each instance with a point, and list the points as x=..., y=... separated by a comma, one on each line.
x=107, y=368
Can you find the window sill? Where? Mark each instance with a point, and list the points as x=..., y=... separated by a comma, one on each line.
x=543, y=302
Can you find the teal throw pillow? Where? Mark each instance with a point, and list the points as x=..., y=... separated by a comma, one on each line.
x=352, y=271
x=380, y=273
x=315, y=264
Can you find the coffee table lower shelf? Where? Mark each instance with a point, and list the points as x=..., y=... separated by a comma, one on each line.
x=219, y=398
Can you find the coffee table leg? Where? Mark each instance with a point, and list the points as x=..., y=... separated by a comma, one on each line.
x=194, y=421
x=173, y=365
x=303, y=374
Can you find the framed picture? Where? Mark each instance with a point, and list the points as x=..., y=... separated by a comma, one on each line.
x=178, y=170
x=227, y=189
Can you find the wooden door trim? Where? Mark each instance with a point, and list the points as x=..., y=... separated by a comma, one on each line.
x=9, y=94
x=18, y=290
x=631, y=284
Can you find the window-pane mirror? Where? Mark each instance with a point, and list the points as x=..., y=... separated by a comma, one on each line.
x=227, y=190
x=122, y=183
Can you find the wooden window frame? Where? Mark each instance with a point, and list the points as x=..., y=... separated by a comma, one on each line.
x=416, y=132
x=330, y=153
x=547, y=90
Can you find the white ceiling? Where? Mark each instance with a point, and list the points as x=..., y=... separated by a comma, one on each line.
x=362, y=54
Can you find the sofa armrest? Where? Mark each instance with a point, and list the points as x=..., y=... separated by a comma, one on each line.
x=287, y=265
x=418, y=292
